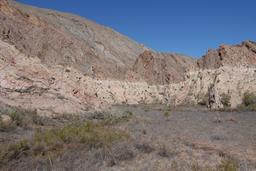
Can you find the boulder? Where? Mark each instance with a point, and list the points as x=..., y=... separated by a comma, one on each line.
x=6, y=120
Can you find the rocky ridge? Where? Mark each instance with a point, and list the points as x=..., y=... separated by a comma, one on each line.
x=243, y=54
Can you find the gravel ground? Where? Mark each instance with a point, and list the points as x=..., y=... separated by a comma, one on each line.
x=194, y=135
x=185, y=138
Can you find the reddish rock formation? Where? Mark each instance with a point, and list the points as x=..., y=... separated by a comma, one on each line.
x=237, y=55
x=160, y=68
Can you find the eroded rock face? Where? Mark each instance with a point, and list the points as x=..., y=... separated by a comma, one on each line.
x=159, y=68
x=232, y=81
x=234, y=56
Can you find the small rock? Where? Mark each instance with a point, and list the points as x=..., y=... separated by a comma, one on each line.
x=68, y=70
x=6, y=119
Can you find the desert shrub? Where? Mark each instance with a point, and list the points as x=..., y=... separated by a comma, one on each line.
x=225, y=100
x=166, y=114
x=122, y=151
x=38, y=120
x=249, y=102
x=17, y=117
x=89, y=133
x=249, y=99
x=228, y=165
x=55, y=141
x=144, y=148
x=14, y=151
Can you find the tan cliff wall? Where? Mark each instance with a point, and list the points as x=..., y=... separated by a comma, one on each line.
x=233, y=81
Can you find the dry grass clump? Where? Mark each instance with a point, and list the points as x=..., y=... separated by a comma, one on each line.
x=55, y=141
x=93, y=135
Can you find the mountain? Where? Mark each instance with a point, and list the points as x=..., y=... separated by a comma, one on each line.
x=64, y=39
x=56, y=63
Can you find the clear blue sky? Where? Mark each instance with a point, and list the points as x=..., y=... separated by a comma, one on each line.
x=184, y=26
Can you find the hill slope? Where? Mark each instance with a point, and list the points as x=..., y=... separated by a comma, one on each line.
x=63, y=39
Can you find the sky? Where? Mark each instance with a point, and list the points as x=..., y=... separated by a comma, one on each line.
x=189, y=27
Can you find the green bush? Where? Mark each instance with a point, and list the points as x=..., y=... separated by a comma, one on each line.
x=225, y=100
x=166, y=114
x=249, y=102
x=249, y=99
